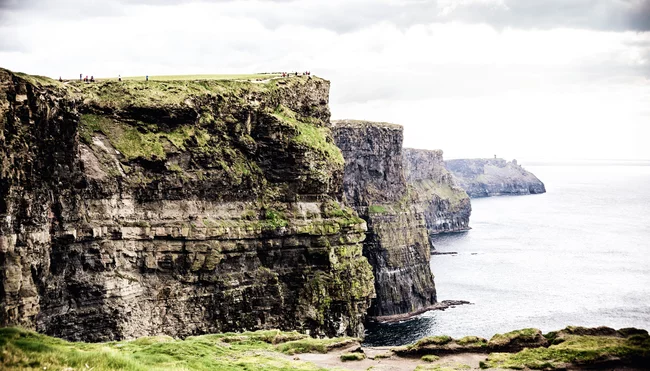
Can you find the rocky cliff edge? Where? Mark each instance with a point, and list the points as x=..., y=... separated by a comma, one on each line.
x=183, y=207
x=397, y=243
x=494, y=177
x=445, y=205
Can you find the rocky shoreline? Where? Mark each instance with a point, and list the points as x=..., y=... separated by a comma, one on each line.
x=441, y=305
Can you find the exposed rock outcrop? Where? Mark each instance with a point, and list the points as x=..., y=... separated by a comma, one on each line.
x=180, y=208
x=494, y=177
x=397, y=244
x=445, y=205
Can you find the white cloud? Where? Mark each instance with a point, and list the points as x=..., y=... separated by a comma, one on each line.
x=470, y=88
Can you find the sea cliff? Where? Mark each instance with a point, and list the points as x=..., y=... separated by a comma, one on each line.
x=445, y=205
x=397, y=244
x=494, y=177
x=133, y=209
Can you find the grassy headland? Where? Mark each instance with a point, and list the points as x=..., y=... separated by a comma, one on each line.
x=274, y=350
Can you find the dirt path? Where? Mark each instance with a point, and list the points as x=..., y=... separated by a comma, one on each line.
x=462, y=361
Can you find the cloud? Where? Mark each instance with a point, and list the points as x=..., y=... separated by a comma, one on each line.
x=494, y=68
x=344, y=16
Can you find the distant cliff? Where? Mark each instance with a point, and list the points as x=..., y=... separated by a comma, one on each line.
x=397, y=244
x=133, y=208
x=444, y=203
x=494, y=177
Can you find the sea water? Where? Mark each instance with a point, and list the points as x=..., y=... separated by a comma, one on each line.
x=576, y=255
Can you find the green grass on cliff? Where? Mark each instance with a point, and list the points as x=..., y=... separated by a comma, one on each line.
x=252, y=76
x=134, y=143
x=311, y=345
x=27, y=350
x=575, y=349
x=446, y=192
x=311, y=135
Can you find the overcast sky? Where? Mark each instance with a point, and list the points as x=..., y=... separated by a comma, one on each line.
x=525, y=79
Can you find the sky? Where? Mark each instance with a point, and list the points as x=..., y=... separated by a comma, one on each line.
x=524, y=79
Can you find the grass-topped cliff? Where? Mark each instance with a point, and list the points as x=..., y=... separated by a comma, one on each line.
x=178, y=207
x=445, y=204
x=494, y=177
x=273, y=350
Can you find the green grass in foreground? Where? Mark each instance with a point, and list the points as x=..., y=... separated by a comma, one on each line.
x=574, y=349
x=430, y=358
x=311, y=345
x=352, y=357
x=26, y=350
x=252, y=76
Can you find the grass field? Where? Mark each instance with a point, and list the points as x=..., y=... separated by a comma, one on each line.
x=253, y=76
x=26, y=350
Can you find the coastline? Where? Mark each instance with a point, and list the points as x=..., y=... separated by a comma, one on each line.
x=443, y=305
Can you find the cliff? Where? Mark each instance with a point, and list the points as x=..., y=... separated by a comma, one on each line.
x=397, y=244
x=494, y=177
x=185, y=207
x=446, y=206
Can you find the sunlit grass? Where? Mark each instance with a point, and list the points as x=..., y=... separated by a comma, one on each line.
x=253, y=76
x=26, y=350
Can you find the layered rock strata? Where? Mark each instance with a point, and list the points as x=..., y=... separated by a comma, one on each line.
x=397, y=244
x=130, y=209
x=494, y=177
x=445, y=205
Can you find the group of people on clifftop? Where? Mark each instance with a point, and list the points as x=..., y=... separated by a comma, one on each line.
x=287, y=74
x=84, y=79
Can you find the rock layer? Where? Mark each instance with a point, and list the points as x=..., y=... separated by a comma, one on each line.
x=397, y=244
x=445, y=205
x=494, y=177
x=180, y=208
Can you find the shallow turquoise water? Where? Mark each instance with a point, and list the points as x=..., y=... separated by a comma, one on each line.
x=577, y=255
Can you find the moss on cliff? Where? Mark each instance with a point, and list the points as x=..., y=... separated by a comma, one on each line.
x=312, y=134
x=144, y=141
x=196, y=181
x=580, y=350
x=431, y=188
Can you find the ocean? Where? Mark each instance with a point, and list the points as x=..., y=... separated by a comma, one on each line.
x=577, y=255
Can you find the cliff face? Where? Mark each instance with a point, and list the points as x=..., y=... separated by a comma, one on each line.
x=494, y=177
x=446, y=206
x=131, y=209
x=397, y=244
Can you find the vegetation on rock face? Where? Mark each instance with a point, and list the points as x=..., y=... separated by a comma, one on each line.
x=444, y=191
x=377, y=209
x=276, y=219
x=22, y=349
x=250, y=197
x=311, y=135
